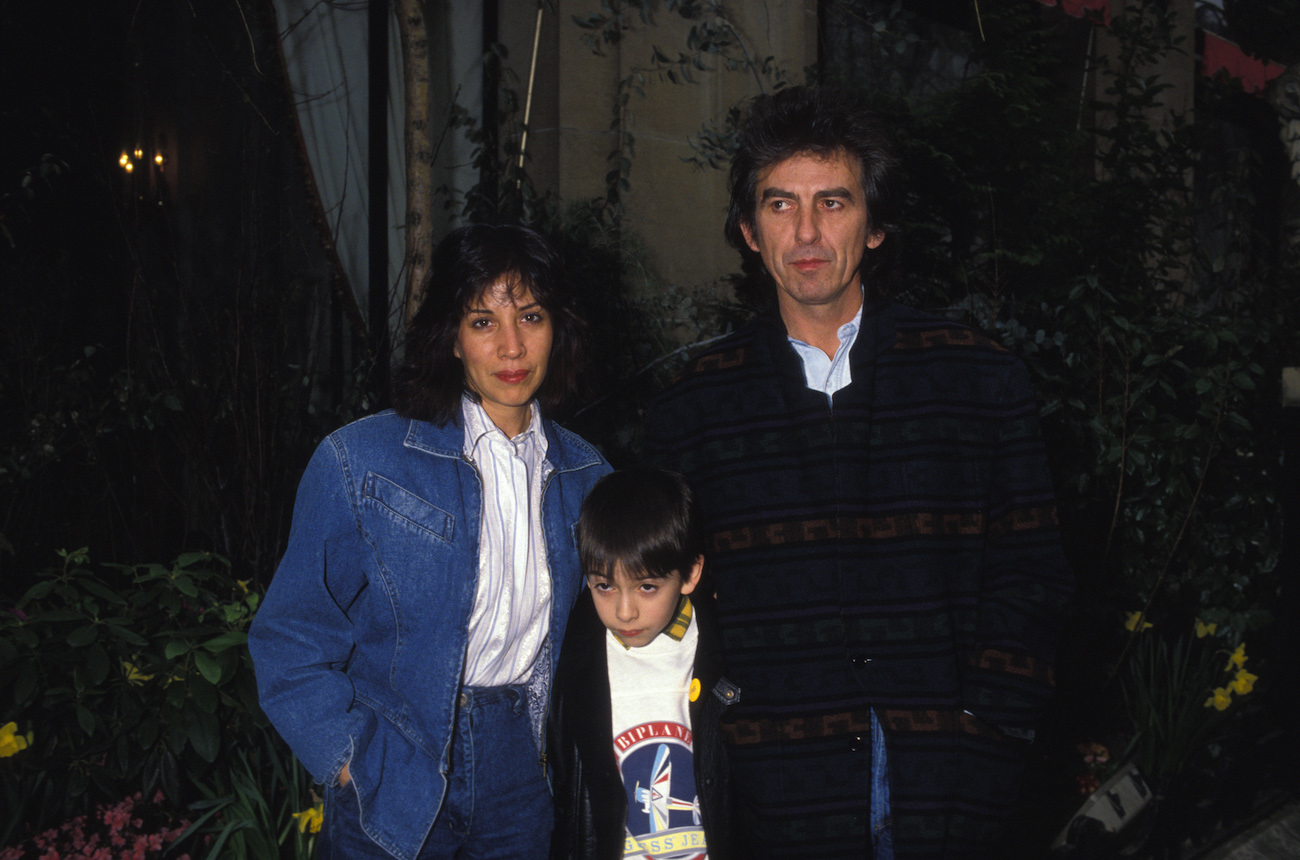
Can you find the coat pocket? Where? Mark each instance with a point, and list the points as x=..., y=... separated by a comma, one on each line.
x=406, y=509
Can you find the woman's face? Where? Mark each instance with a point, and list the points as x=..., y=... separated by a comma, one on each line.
x=504, y=341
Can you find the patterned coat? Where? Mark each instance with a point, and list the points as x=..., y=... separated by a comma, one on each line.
x=895, y=550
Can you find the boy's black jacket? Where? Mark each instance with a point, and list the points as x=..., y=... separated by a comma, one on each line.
x=590, y=802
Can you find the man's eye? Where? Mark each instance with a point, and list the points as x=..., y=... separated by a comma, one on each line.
x=834, y=204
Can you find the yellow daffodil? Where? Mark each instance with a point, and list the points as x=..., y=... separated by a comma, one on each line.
x=243, y=584
x=1131, y=622
x=310, y=819
x=1203, y=629
x=134, y=675
x=1243, y=683
x=1237, y=659
x=1220, y=700
x=11, y=743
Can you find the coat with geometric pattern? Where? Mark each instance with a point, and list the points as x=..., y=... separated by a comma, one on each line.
x=893, y=548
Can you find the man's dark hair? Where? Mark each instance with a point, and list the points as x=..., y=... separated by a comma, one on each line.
x=468, y=262
x=641, y=521
x=822, y=122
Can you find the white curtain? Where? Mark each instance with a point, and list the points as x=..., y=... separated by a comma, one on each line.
x=325, y=48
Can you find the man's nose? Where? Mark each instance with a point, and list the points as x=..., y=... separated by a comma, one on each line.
x=807, y=230
x=626, y=608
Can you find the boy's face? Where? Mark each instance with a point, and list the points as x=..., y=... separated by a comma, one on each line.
x=638, y=610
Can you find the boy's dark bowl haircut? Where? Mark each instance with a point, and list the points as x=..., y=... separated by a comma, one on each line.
x=641, y=521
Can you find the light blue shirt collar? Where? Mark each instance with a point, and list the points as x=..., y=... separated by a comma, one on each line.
x=829, y=374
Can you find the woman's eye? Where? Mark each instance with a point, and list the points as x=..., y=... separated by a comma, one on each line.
x=533, y=317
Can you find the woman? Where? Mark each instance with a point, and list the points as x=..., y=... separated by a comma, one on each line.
x=404, y=650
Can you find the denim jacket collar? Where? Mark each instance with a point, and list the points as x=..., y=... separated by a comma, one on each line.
x=446, y=440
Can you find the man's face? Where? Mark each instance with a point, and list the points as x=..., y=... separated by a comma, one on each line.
x=810, y=226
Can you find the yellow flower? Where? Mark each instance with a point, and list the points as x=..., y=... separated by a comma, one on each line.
x=1243, y=683
x=310, y=819
x=1203, y=629
x=1221, y=699
x=243, y=584
x=11, y=743
x=1132, y=621
x=1237, y=658
x=134, y=675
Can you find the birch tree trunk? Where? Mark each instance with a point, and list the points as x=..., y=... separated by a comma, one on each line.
x=419, y=155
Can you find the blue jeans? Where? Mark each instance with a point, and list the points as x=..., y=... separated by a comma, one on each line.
x=882, y=834
x=498, y=805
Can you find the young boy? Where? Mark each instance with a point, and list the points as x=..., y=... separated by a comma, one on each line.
x=638, y=767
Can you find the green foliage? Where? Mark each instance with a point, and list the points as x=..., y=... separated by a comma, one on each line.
x=1179, y=693
x=135, y=677
x=250, y=805
x=1152, y=335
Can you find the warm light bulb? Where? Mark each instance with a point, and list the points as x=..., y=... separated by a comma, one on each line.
x=139, y=153
x=129, y=167
x=124, y=160
x=157, y=159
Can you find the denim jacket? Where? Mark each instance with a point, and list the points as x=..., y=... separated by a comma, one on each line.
x=359, y=644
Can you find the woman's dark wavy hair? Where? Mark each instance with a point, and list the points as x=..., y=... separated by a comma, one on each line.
x=821, y=121
x=429, y=383
x=641, y=520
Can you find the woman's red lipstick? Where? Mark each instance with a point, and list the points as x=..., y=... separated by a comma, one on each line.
x=513, y=377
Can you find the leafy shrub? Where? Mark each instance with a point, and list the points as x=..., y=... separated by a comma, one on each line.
x=127, y=678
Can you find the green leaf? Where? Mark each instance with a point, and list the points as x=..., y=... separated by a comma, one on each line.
x=8, y=652
x=175, y=648
x=147, y=733
x=204, y=733
x=232, y=639
x=103, y=592
x=85, y=719
x=204, y=695
x=83, y=636
x=25, y=685
x=209, y=666
x=97, y=664
x=186, y=586
x=128, y=636
x=189, y=559
x=37, y=592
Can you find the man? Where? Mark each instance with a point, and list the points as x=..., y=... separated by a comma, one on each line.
x=878, y=515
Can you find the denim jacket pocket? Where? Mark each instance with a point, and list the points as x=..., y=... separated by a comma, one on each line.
x=406, y=509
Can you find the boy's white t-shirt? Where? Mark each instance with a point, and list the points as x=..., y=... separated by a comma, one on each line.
x=650, y=691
